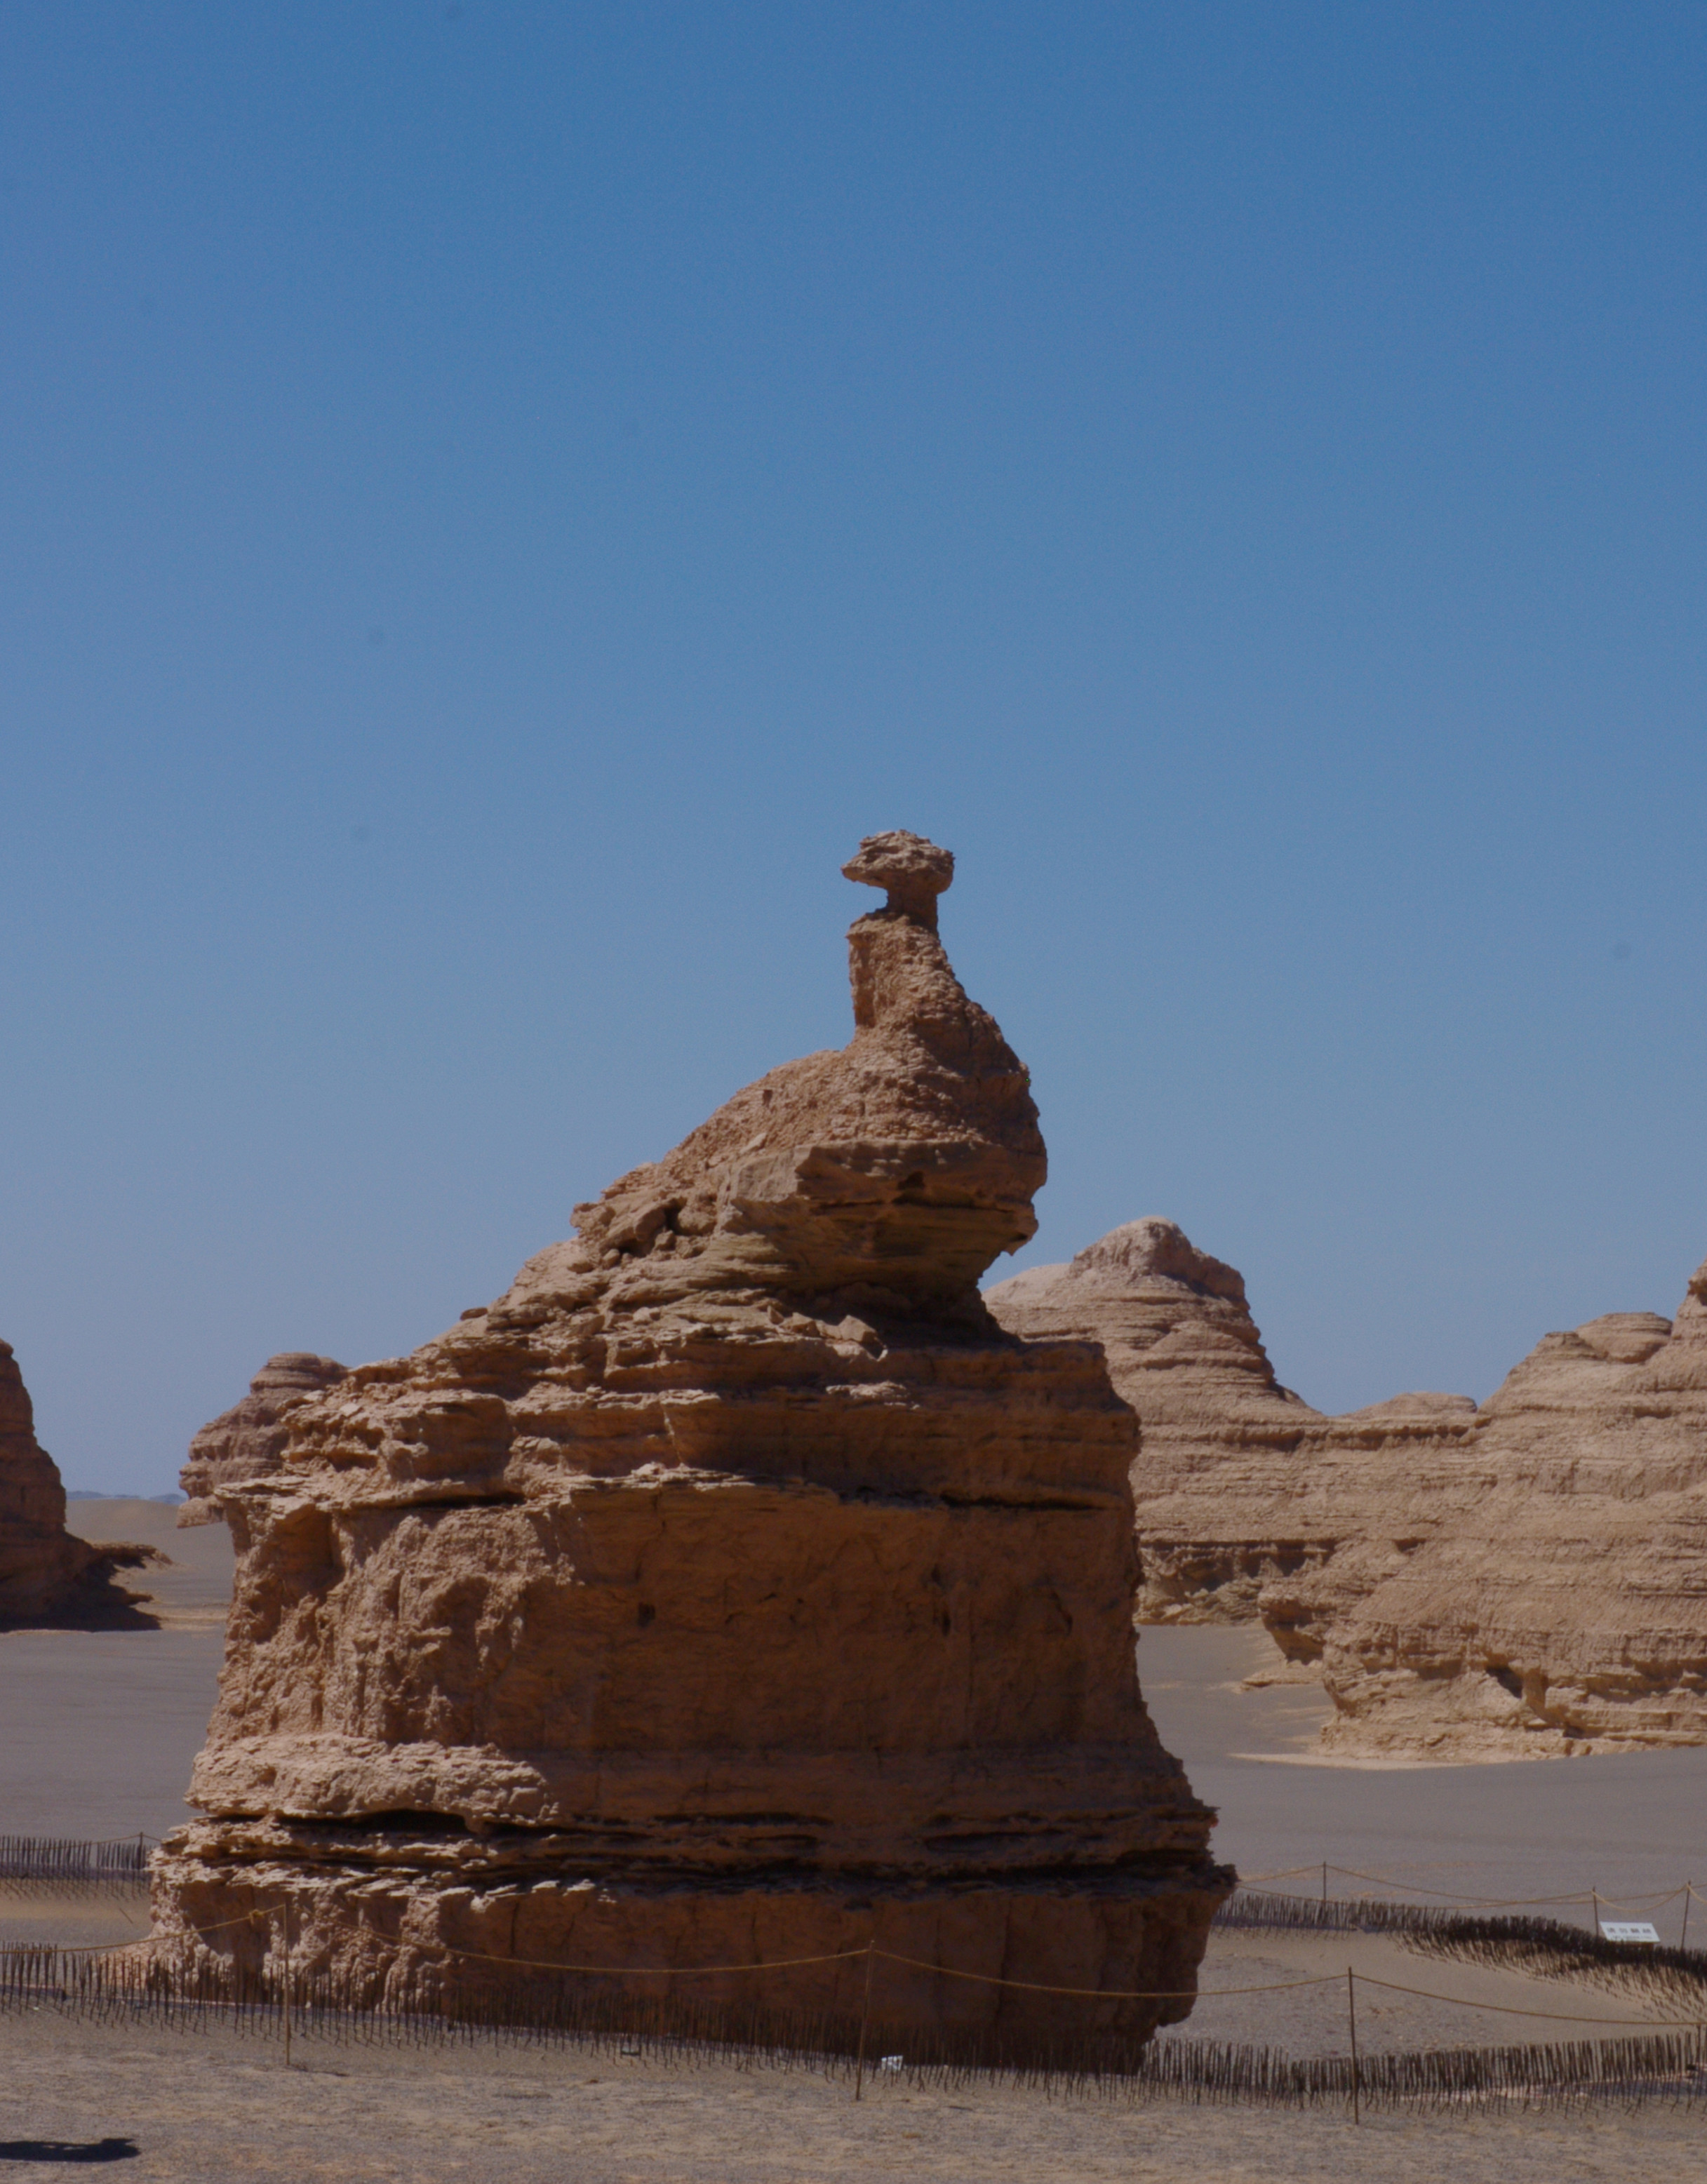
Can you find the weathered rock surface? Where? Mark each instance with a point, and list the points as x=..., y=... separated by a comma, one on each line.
x=1564, y=1610
x=732, y=1590
x=247, y=1441
x=45, y=1571
x=1525, y=1578
x=1248, y=1502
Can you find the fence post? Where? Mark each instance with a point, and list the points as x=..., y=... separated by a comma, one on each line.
x=288, y=1993
x=864, y=2016
x=1688, y=1892
x=1324, y=1884
x=1352, y=2019
x=1594, y=1900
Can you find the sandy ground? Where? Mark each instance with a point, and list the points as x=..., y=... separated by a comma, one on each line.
x=209, y=2109
x=1630, y=1826
x=98, y=1728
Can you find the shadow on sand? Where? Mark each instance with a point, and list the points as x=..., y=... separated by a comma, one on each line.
x=65, y=2149
x=98, y=1601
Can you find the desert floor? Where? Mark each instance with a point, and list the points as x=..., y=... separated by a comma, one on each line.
x=97, y=1730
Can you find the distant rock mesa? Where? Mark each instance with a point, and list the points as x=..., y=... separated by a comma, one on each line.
x=1520, y=1580
x=732, y=1589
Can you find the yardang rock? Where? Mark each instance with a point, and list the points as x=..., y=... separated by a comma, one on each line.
x=1564, y=1610
x=247, y=1442
x=1525, y=1579
x=732, y=1590
x=1248, y=1502
x=45, y=1572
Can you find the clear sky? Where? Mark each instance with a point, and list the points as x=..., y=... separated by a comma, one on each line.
x=498, y=497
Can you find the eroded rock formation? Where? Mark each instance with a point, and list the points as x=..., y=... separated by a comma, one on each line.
x=41, y=1564
x=1566, y=1610
x=247, y=1440
x=45, y=1572
x=1524, y=1578
x=1248, y=1502
x=732, y=1590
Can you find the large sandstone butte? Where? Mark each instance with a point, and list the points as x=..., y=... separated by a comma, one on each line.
x=1248, y=1502
x=732, y=1589
x=46, y=1573
x=1524, y=1578
x=247, y=1441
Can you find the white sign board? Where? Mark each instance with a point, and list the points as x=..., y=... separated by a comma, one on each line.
x=1630, y=1929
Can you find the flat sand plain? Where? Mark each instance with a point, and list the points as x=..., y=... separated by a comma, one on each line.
x=200, y=2109
x=98, y=1728
x=97, y=1733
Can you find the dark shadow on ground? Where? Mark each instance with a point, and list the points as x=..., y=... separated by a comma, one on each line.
x=65, y=2149
x=98, y=1601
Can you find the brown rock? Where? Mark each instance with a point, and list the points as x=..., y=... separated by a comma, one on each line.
x=1564, y=1608
x=41, y=1564
x=46, y=1574
x=1248, y=1502
x=732, y=1590
x=247, y=1440
x=1525, y=1579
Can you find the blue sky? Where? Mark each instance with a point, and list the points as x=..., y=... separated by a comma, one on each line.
x=498, y=498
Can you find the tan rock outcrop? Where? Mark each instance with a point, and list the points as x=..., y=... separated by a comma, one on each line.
x=1564, y=1609
x=732, y=1590
x=45, y=1572
x=1525, y=1578
x=1248, y=1502
x=247, y=1441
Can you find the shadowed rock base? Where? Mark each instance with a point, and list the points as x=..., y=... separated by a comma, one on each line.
x=732, y=1591
x=47, y=1575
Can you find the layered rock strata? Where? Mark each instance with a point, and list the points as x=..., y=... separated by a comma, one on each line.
x=732, y=1590
x=1564, y=1611
x=247, y=1441
x=1523, y=1579
x=1248, y=1503
x=45, y=1572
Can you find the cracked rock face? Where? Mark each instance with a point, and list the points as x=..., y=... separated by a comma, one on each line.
x=1517, y=1580
x=42, y=1568
x=731, y=1588
x=247, y=1441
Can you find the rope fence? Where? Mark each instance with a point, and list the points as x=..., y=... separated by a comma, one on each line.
x=465, y=1994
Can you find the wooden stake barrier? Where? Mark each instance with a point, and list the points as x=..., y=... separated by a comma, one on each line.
x=864, y=2019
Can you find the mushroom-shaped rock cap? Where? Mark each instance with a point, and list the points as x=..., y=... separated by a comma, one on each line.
x=915, y=871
